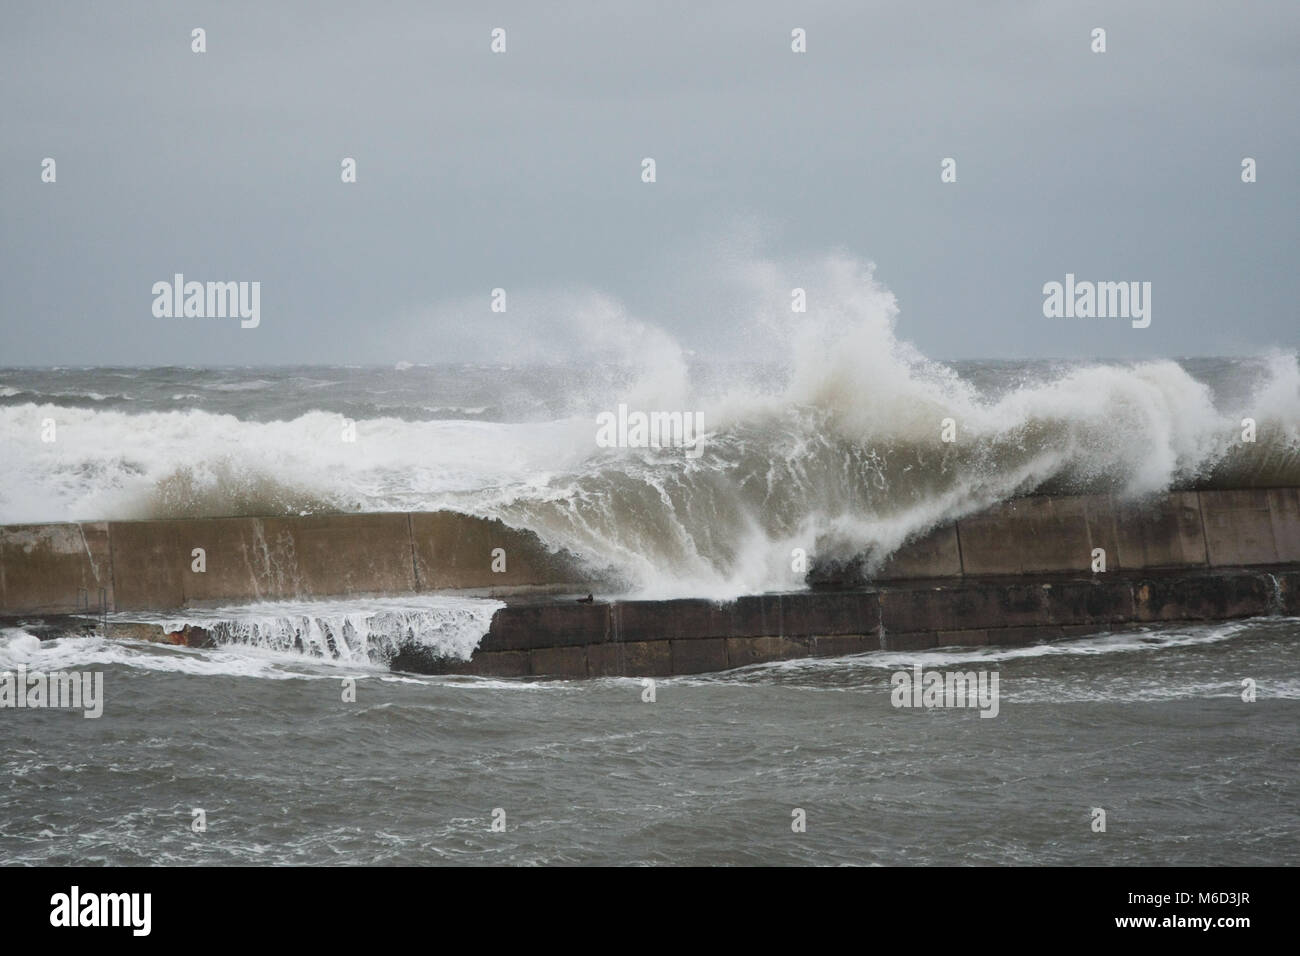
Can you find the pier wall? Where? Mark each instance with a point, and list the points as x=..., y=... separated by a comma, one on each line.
x=664, y=638
x=1022, y=571
x=204, y=562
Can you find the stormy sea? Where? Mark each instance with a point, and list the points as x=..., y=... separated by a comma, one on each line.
x=833, y=450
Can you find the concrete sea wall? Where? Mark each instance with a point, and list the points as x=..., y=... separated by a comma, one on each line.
x=1019, y=572
x=153, y=565
x=663, y=638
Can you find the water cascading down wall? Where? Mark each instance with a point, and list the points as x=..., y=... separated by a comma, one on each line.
x=1021, y=572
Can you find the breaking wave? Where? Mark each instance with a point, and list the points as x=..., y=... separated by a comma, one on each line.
x=836, y=449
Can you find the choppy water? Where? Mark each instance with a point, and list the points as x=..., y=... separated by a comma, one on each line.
x=1149, y=726
x=829, y=438
x=834, y=448
x=839, y=460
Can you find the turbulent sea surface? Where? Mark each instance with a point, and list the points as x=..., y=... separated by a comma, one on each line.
x=1148, y=725
x=836, y=451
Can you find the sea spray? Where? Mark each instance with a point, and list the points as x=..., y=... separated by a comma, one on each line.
x=365, y=632
x=834, y=449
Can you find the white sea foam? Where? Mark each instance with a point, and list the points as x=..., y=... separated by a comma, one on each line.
x=1126, y=642
x=1028, y=674
x=276, y=640
x=367, y=632
x=838, y=455
x=94, y=652
x=17, y=647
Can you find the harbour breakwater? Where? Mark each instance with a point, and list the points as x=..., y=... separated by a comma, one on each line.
x=1027, y=570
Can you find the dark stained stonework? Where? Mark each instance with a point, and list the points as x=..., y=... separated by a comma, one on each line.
x=1216, y=597
x=697, y=637
x=516, y=626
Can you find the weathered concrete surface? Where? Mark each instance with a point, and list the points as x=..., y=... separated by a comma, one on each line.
x=1284, y=509
x=260, y=559
x=461, y=552
x=618, y=659
x=659, y=639
x=148, y=560
x=1017, y=573
x=241, y=564
x=516, y=627
x=1099, y=602
x=43, y=568
x=344, y=555
x=320, y=556
x=829, y=614
x=1163, y=532
x=1036, y=535
x=149, y=564
x=568, y=639
x=743, y=651
x=910, y=610
x=1217, y=597
x=1289, y=591
x=1052, y=535
x=1244, y=528
x=699, y=656
x=936, y=555
x=668, y=620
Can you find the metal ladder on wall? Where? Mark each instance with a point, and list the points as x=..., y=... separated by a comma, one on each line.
x=83, y=604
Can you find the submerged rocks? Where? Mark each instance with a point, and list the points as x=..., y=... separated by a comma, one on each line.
x=190, y=636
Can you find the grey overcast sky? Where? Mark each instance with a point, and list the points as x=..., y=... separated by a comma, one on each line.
x=522, y=170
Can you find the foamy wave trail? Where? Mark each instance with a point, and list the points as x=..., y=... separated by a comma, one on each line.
x=94, y=652
x=836, y=450
x=17, y=648
x=1178, y=662
x=356, y=632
